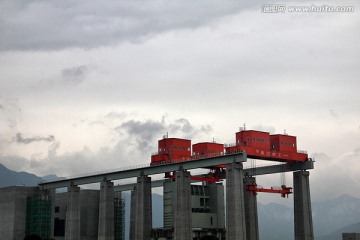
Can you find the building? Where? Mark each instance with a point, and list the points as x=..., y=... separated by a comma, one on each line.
x=351, y=236
x=29, y=211
x=208, y=212
x=89, y=214
x=25, y=211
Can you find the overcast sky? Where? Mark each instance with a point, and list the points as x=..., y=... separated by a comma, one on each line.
x=92, y=85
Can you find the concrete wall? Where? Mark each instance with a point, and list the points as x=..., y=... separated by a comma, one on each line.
x=89, y=213
x=213, y=194
x=106, y=211
x=303, y=224
x=251, y=213
x=13, y=211
x=182, y=206
x=235, y=208
x=143, y=218
x=351, y=236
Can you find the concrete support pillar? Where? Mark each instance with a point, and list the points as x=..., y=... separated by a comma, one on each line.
x=119, y=216
x=143, y=220
x=182, y=207
x=106, y=211
x=50, y=195
x=235, y=209
x=302, y=207
x=132, y=214
x=72, y=224
x=251, y=214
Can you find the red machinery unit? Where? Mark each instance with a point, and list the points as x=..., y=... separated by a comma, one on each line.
x=262, y=145
x=256, y=144
x=283, y=190
x=207, y=149
x=283, y=143
x=253, y=139
x=172, y=150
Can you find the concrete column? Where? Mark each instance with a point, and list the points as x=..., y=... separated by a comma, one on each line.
x=235, y=209
x=132, y=214
x=72, y=223
x=143, y=219
x=50, y=195
x=119, y=216
x=106, y=211
x=251, y=214
x=182, y=207
x=302, y=207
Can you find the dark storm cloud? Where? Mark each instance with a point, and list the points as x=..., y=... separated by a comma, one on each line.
x=75, y=74
x=19, y=139
x=143, y=132
x=187, y=129
x=146, y=133
x=39, y=25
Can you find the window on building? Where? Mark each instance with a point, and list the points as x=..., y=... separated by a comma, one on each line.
x=57, y=209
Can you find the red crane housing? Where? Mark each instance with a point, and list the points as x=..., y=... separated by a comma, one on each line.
x=262, y=145
x=172, y=150
x=256, y=144
x=207, y=149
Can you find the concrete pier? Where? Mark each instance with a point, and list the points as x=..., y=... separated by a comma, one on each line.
x=72, y=225
x=235, y=207
x=132, y=215
x=143, y=218
x=251, y=214
x=182, y=207
x=106, y=211
x=302, y=207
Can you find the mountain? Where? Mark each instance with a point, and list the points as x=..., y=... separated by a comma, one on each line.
x=276, y=221
x=12, y=178
x=353, y=228
x=335, y=214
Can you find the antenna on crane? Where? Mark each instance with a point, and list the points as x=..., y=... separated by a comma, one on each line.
x=166, y=135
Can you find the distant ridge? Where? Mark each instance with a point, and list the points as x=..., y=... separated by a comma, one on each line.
x=12, y=178
x=353, y=228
